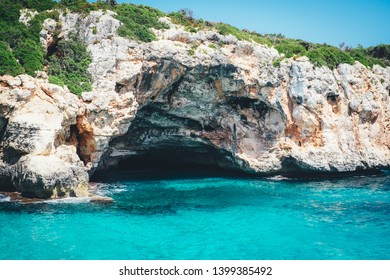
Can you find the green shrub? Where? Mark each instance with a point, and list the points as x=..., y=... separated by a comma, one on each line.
x=79, y=6
x=13, y=33
x=329, y=56
x=290, y=48
x=137, y=21
x=10, y=10
x=192, y=29
x=8, y=63
x=69, y=65
x=191, y=51
x=381, y=52
x=189, y=22
x=30, y=55
x=277, y=62
x=56, y=80
x=39, y=5
x=25, y=40
x=362, y=55
x=261, y=40
x=226, y=29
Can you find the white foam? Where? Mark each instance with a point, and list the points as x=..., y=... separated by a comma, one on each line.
x=109, y=189
x=5, y=199
x=278, y=178
x=68, y=200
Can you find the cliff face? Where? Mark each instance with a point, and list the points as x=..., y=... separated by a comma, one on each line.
x=192, y=98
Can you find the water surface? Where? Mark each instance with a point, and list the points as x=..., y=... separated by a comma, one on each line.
x=207, y=218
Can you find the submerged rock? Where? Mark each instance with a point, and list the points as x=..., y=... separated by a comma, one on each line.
x=226, y=106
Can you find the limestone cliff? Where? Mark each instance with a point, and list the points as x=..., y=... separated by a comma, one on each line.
x=193, y=98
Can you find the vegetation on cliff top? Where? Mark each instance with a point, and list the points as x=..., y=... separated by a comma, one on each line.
x=319, y=54
x=22, y=52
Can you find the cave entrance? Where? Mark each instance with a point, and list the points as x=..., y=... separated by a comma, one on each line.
x=173, y=161
x=160, y=141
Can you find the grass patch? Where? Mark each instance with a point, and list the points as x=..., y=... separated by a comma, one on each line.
x=56, y=80
x=192, y=50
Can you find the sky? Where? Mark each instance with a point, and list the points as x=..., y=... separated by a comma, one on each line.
x=327, y=21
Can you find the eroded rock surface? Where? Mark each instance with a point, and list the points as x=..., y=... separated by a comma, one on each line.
x=192, y=98
x=37, y=158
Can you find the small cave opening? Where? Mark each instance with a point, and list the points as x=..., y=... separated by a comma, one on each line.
x=3, y=126
x=52, y=48
x=333, y=100
x=82, y=137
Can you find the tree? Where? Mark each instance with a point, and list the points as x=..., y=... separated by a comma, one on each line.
x=75, y=5
x=187, y=13
x=9, y=10
x=112, y=2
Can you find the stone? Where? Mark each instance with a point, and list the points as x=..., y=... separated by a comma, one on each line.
x=15, y=82
x=49, y=177
x=26, y=15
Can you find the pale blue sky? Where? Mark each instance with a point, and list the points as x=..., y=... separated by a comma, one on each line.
x=326, y=21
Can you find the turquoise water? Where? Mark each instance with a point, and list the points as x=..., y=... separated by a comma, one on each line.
x=207, y=218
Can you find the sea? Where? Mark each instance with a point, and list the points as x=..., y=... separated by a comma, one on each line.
x=193, y=216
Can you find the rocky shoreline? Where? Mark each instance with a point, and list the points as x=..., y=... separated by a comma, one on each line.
x=228, y=107
x=19, y=198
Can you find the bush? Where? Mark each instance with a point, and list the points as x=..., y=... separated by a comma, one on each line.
x=290, y=48
x=8, y=63
x=184, y=18
x=39, y=5
x=137, y=21
x=362, y=55
x=381, y=52
x=80, y=6
x=30, y=55
x=56, y=80
x=226, y=29
x=69, y=65
x=25, y=40
x=329, y=56
x=10, y=10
